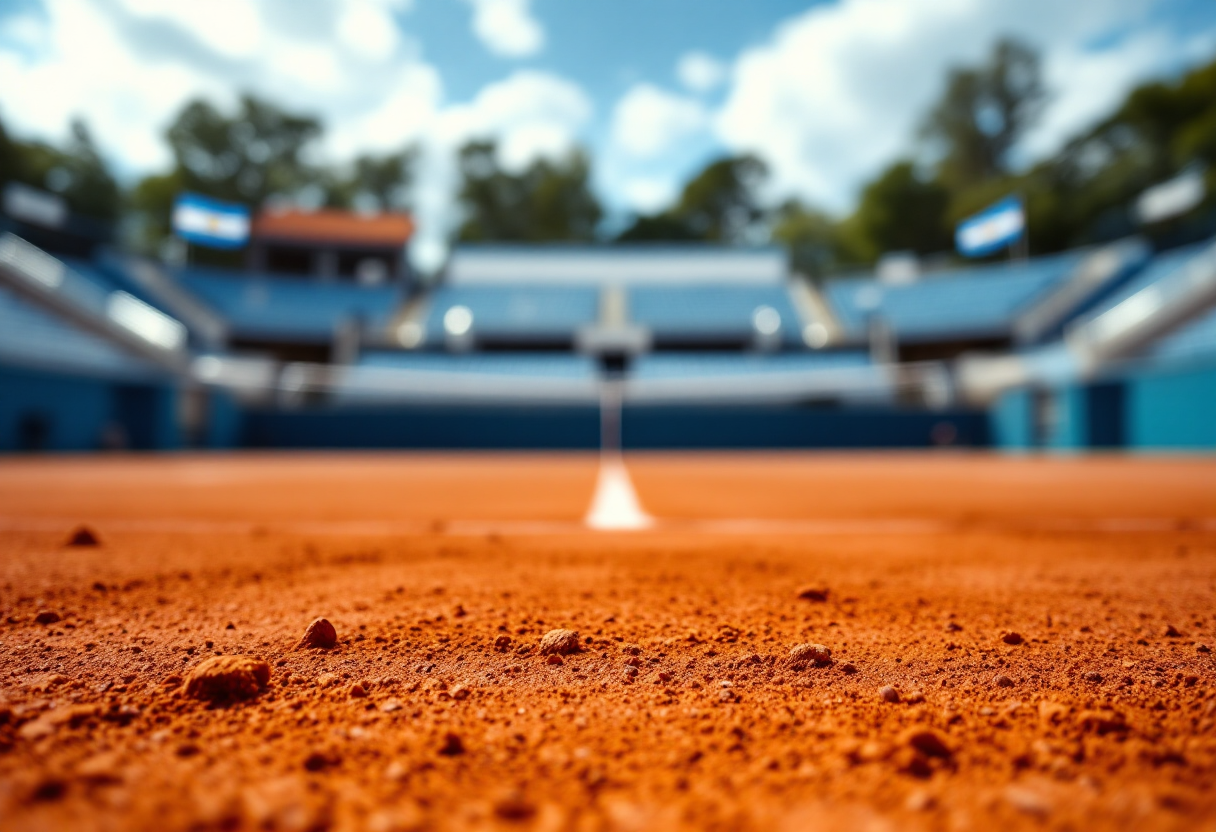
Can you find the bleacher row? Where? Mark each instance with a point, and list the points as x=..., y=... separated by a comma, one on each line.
x=968, y=304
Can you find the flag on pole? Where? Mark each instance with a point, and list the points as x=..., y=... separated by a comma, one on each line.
x=996, y=227
x=210, y=222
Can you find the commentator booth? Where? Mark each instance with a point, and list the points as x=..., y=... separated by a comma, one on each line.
x=367, y=249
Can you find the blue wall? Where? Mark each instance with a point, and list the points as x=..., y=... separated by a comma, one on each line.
x=1149, y=409
x=47, y=412
x=578, y=427
x=43, y=411
x=1174, y=410
x=800, y=427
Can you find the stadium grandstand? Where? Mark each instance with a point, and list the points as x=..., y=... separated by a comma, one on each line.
x=324, y=339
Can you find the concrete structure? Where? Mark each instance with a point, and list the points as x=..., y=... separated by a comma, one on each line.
x=331, y=245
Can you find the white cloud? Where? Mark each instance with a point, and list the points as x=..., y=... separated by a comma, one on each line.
x=700, y=72
x=838, y=90
x=367, y=29
x=25, y=30
x=232, y=28
x=648, y=121
x=86, y=70
x=649, y=194
x=507, y=27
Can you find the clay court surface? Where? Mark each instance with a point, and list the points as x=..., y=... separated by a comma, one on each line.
x=681, y=710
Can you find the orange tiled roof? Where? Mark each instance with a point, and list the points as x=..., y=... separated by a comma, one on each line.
x=334, y=226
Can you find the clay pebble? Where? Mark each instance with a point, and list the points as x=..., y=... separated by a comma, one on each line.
x=927, y=742
x=83, y=536
x=804, y=655
x=559, y=642
x=320, y=633
x=228, y=677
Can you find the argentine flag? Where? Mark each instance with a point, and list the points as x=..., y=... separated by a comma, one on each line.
x=209, y=222
x=992, y=229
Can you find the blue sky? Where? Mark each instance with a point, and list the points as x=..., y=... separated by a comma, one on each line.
x=826, y=92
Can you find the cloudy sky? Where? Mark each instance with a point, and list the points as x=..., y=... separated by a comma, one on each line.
x=826, y=92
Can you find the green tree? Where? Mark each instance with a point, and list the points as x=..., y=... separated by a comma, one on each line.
x=12, y=158
x=1084, y=194
x=549, y=201
x=720, y=204
x=901, y=211
x=76, y=171
x=245, y=157
x=817, y=243
x=984, y=112
x=382, y=179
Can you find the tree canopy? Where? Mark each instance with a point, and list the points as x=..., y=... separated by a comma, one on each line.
x=548, y=201
x=720, y=204
x=76, y=171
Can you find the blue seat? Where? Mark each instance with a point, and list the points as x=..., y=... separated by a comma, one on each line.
x=708, y=365
x=544, y=364
x=516, y=312
x=979, y=302
x=710, y=312
x=257, y=307
x=1160, y=267
x=32, y=337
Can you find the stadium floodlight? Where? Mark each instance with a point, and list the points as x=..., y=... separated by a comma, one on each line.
x=766, y=320
x=766, y=324
x=815, y=335
x=458, y=321
x=458, y=328
x=410, y=334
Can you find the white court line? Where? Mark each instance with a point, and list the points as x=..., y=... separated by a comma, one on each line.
x=615, y=506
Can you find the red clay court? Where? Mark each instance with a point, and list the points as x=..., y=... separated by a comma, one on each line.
x=1013, y=643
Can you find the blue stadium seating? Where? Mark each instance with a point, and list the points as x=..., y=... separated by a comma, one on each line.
x=1160, y=267
x=516, y=312
x=262, y=308
x=542, y=364
x=710, y=313
x=705, y=365
x=31, y=337
x=1191, y=342
x=1194, y=340
x=979, y=302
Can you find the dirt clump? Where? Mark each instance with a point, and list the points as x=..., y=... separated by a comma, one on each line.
x=808, y=655
x=221, y=678
x=82, y=536
x=559, y=643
